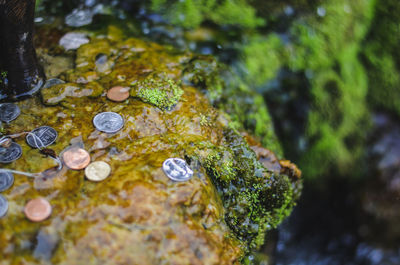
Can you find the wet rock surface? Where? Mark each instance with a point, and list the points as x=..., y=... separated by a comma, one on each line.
x=138, y=215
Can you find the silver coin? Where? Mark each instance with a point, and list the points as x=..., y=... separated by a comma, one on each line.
x=108, y=122
x=9, y=112
x=177, y=169
x=6, y=181
x=11, y=153
x=41, y=137
x=3, y=206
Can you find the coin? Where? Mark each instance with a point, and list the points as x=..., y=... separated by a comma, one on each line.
x=76, y=158
x=11, y=153
x=37, y=210
x=118, y=93
x=108, y=122
x=3, y=206
x=41, y=137
x=97, y=171
x=177, y=169
x=9, y=112
x=6, y=181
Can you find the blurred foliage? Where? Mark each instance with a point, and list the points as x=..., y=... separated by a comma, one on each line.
x=382, y=57
x=191, y=13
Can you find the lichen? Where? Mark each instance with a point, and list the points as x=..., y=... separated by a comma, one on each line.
x=163, y=93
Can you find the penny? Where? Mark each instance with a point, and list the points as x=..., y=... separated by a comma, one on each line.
x=118, y=93
x=11, y=153
x=76, y=158
x=3, y=206
x=97, y=171
x=177, y=169
x=108, y=122
x=41, y=137
x=6, y=181
x=9, y=112
x=37, y=210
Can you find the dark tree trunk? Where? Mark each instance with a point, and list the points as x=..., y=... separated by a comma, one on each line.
x=24, y=76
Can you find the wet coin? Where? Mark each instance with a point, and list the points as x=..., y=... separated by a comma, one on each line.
x=9, y=112
x=41, y=137
x=6, y=181
x=108, y=122
x=177, y=169
x=37, y=210
x=97, y=171
x=3, y=206
x=11, y=153
x=76, y=158
x=118, y=93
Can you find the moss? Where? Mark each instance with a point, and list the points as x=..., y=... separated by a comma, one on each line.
x=163, y=93
x=246, y=109
x=382, y=57
x=191, y=13
x=262, y=58
x=255, y=199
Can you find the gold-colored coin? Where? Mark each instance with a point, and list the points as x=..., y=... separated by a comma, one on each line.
x=97, y=171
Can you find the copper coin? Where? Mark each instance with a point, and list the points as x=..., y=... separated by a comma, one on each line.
x=118, y=93
x=37, y=210
x=76, y=158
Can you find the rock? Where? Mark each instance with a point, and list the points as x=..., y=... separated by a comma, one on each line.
x=138, y=215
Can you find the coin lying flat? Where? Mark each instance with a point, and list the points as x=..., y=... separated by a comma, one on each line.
x=76, y=158
x=118, y=93
x=97, y=171
x=6, y=181
x=11, y=153
x=108, y=122
x=41, y=137
x=3, y=206
x=37, y=210
x=177, y=169
x=9, y=112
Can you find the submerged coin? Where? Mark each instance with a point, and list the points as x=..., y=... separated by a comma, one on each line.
x=11, y=153
x=76, y=158
x=6, y=181
x=37, y=210
x=41, y=137
x=3, y=206
x=97, y=171
x=9, y=112
x=108, y=122
x=177, y=169
x=118, y=93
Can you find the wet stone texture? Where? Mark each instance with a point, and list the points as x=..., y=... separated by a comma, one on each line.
x=138, y=215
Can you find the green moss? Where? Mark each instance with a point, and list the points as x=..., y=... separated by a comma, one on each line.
x=191, y=13
x=382, y=57
x=163, y=93
x=246, y=109
x=262, y=58
x=255, y=199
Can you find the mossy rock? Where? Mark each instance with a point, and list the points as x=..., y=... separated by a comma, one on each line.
x=138, y=215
